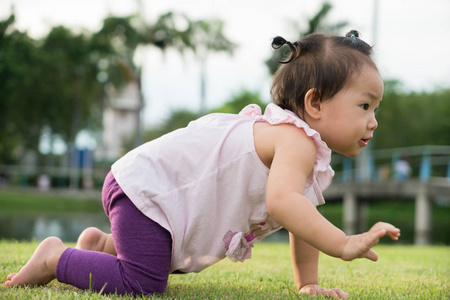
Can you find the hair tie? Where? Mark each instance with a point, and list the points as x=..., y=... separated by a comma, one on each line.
x=279, y=42
x=352, y=34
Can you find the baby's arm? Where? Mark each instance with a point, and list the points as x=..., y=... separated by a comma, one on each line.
x=305, y=262
x=291, y=156
x=297, y=215
x=294, y=155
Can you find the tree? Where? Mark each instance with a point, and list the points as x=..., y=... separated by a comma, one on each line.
x=316, y=23
x=50, y=85
x=57, y=84
x=72, y=83
x=125, y=35
x=412, y=118
x=21, y=102
x=122, y=37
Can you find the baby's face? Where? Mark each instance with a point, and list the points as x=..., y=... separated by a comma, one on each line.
x=348, y=120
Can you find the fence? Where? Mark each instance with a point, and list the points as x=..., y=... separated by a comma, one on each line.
x=421, y=172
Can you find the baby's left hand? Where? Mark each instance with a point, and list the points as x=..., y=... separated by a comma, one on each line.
x=315, y=290
x=360, y=245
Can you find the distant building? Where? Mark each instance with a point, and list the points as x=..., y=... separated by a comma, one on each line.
x=120, y=117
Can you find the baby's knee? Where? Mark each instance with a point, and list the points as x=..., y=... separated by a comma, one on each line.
x=53, y=240
x=90, y=234
x=90, y=238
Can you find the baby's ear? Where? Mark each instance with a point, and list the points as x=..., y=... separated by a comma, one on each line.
x=313, y=105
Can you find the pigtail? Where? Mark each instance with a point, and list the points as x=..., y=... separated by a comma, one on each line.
x=279, y=42
x=352, y=39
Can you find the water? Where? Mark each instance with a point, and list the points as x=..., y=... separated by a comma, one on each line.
x=69, y=226
x=65, y=226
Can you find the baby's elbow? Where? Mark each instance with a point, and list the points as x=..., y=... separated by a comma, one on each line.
x=273, y=206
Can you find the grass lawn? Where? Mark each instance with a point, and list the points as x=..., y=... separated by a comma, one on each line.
x=403, y=272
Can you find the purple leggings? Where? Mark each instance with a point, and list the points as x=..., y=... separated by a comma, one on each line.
x=143, y=248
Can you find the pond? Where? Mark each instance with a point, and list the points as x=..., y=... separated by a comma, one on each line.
x=65, y=226
x=69, y=226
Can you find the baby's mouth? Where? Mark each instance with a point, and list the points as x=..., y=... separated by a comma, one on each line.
x=364, y=142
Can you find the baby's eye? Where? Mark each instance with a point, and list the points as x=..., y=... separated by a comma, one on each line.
x=365, y=106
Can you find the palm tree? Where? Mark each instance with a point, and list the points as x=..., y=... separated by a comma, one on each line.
x=121, y=37
x=207, y=36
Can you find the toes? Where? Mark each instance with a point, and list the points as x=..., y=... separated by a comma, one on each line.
x=10, y=276
x=9, y=280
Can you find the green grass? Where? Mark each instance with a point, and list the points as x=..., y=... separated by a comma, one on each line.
x=403, y=272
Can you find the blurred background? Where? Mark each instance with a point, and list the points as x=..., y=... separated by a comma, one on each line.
x=83, y=82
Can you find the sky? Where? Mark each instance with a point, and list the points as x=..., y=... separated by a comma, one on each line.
x=411, y=41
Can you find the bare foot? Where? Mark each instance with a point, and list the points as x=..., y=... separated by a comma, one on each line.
x=96, y=240
x=41, y=268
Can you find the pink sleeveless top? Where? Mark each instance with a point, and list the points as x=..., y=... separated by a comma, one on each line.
x=206, y=185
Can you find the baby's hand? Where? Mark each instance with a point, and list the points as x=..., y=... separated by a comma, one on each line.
x=315, y=290
x=360, y=246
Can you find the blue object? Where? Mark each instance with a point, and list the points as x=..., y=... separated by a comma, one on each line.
x=425, y=168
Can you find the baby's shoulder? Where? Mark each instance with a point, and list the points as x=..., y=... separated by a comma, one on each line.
x=281, y=133
x=284, y=138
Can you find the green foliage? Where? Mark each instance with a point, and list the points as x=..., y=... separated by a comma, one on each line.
x=403, y=272
x=58, y=84
x=71, y=87
x=207, y=35
x=411, y=118
x=45, y=84
x=167, y=32
x=20, y=64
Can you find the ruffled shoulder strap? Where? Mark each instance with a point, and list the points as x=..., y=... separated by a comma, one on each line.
x=320, y=177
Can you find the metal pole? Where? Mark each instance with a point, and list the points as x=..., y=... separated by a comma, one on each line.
x=422, y=220
x=350, y=213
